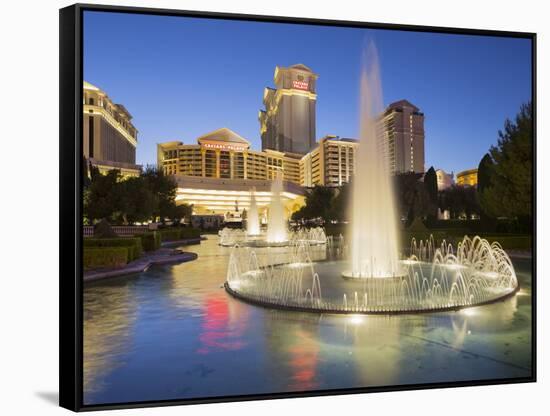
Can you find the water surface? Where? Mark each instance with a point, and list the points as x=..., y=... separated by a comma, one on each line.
x=173, y=332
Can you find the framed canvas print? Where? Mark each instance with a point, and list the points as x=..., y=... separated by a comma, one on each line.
x=321, y=207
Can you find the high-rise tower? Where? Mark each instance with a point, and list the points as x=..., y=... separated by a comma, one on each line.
x=288, y=122
x=402, y=125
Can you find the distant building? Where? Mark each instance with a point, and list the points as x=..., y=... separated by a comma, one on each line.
x=109, y=137
x=224, y=154
x=331, y=163
x=216, y=174
x=444, y=180
x=287, y=124
x=402, y=127
x=467, y=178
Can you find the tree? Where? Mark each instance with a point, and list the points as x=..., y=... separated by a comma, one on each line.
x=339, y=209
x=137, y=201
x=484, y=170
x=176, y=213
x=102, y=199
x=430, y=184
x=412, y=198
x=318, y=204
x=460, y=201
x=163, y=189
x=508, y=192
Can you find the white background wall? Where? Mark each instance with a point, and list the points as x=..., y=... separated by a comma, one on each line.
x=29, y=177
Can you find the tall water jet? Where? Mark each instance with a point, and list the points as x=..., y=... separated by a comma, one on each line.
x=276, y=222
x=373, y=226
x=253, y=220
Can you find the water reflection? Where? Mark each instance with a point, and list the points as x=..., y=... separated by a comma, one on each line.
x=173, y=332
x=109, y=313
x=222, y=325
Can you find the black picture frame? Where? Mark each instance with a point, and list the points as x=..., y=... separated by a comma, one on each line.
x=70, y=214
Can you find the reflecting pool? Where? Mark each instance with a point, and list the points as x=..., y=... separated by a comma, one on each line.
x=173, y=332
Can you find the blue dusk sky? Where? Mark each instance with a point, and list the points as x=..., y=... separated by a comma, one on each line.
x=183, y=77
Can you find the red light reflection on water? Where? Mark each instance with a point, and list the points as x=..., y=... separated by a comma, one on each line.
x=304, y=357
x=222, y=325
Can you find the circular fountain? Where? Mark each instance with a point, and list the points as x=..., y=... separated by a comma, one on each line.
x=369, y=275
x=477, y=273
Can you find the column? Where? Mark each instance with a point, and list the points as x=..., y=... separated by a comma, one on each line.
x=231, y=164
x=339, y=165
x=347, y=164
x=217, y=164
x=203, y=162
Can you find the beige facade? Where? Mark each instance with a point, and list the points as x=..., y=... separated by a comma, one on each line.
x=223, y=154
x=331, y=163
x=402, y=127
x=287, y=124
x=109, y=137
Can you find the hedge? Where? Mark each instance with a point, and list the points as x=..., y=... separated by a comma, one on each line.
x=132, y=244
x=179, y=233
x=95, y=257
x=150, y=240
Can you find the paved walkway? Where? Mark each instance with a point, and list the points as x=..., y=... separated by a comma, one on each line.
x=160, y=256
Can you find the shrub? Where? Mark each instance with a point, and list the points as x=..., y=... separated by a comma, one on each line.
x=132, y=244
x=150, y=240
x=94, y=257
x=170, y=234
x=103, y=230
x=179, y=233
x=190, y=232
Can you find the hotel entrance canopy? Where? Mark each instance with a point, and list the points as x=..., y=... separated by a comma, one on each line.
x=218, y=196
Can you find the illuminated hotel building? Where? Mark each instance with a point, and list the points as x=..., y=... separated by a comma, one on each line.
x=288, y=122
x=467, y=178
x=217, y=173
x=109, y=137
x=402, y=127
x=331, y=163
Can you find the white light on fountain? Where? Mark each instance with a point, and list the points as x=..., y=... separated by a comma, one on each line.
x=253, y=220
x=373, y=228
x=356, y=319
x=276, y=222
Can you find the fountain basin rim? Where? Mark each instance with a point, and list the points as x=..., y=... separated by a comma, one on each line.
x=327, y=311
x=264, y=243
x=346, y=274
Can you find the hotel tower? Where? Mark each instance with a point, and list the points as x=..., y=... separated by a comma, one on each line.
x=402, y=127
x=109, y=137
x=288, y=122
